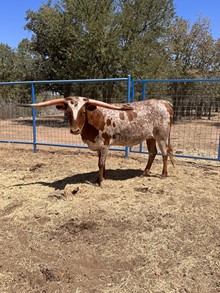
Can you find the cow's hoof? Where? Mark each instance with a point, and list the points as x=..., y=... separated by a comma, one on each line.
x=163, y=176
x=99, y=182
x=145, y=174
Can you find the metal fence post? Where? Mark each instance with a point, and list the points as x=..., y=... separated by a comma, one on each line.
x=132, y=91
x=219, y=149
x=128, y=101
x=34, y=118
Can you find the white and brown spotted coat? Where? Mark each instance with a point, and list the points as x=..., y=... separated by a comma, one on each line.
x=100, y=128
x=102, y=125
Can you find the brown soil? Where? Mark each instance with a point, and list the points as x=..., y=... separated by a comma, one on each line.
x=60, y=232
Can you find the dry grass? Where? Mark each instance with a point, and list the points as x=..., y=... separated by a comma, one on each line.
x=132, y=235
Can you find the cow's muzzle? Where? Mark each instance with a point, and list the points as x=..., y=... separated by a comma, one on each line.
x=75, y=132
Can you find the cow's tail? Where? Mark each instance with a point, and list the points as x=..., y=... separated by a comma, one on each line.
x=170, y=148
x=170, y=151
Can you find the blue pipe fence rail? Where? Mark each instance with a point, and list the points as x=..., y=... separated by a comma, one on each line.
x=46, y=127
x=195, y=133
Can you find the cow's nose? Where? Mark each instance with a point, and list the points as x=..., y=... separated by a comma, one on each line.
x=74, y=131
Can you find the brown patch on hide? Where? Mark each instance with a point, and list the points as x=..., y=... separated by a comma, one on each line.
x=122, y=116
x=89, y=132
x=108, y=122
x=131, y=115
x=106, y=138
x=96, y=119
x=94, y=122
x=113, y=124
x=134, y=114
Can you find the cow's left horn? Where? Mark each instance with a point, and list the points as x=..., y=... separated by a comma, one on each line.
x=45, y=104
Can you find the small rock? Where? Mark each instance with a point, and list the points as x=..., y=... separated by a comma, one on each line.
x=69, y=191
x=179, y=152
x=74, y=191
x=59, y=194
x=36, y=166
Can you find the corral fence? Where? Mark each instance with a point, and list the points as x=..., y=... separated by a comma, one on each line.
x=48, y=126
x=196, y=102
x=195, y=133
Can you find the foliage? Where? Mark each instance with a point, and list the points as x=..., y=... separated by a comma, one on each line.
x=95, y=39
x=192, y=54
x=191, y=49
x=16, y=65
x=7, y=60
x=86, y=39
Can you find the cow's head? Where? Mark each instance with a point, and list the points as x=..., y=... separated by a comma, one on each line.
x=76, y=108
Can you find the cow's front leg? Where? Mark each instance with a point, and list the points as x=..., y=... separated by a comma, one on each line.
x=102, y=153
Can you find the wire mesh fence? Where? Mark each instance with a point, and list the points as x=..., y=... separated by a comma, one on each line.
x=196, y=129
x=49, y=126
x=195, y=133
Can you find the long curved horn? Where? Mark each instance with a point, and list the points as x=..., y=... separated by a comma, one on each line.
x=110, y=106
x=45, y=104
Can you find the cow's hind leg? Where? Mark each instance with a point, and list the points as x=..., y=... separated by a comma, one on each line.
x=164, y=148
x=102, y=154
x=152, y=149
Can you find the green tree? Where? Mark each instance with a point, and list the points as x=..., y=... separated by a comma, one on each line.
x=99, y=39
x=216, y=60
x=191, y=50
x=144, y=27
x=26, y=61
x=7, y=63
x=7, y=73
x=16, y=65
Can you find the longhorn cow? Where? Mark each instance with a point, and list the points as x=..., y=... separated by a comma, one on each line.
x=102, y=125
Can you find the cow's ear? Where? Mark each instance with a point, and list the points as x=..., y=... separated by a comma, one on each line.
x=90, y=107
x=61, y=107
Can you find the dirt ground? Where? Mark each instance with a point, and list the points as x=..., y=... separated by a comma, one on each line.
x=60, y=232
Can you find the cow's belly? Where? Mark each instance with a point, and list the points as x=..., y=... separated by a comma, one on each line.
x=113, y=142
x=122, y=138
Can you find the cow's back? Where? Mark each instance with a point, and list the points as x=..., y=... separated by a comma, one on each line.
x=127, y=128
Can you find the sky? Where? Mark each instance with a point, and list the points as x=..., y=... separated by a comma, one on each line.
x=13, y=13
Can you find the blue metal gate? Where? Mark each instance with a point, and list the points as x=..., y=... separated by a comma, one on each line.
x=195, y=134
x=33, y=129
